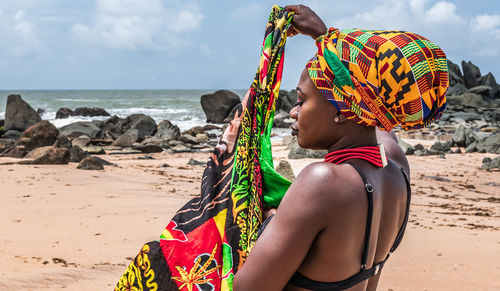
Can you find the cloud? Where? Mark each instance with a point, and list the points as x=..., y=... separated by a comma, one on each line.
x=19, y=35
x=133, y=25
x=487, y=23
x=443, y=12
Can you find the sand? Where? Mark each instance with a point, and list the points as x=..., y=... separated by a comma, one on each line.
x=63, y=228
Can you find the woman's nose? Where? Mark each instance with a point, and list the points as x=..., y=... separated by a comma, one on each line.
x=294, y=113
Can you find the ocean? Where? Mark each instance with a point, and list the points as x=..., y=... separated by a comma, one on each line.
x=181, y=107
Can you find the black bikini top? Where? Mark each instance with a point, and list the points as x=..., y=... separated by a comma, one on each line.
x=300, y=280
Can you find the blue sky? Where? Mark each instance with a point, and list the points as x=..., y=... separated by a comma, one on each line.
x=190, y=44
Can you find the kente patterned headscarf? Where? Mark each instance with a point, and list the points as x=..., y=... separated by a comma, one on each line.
x=210, y=237
x=381, y=78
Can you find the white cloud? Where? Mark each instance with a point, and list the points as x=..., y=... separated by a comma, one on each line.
x=19, y=35
x=486, y=22
x=135, y=25
x=443, y=12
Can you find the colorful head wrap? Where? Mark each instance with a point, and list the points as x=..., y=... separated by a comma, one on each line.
x=381, y=78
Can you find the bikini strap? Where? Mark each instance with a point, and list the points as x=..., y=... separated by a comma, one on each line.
x=401, y=232
x=369, y=218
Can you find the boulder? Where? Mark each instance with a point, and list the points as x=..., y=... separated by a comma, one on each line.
x=81, y=141
x=14, y=152
x=148, y=148
x=19, y=115
x=77, y=129
x=460, y=135
x=230, y=116
x=467, y=99
x=407, y=148
x=40, y=112
x=454, y=73
x=471, y=74
x=127, y=139
x=110, y=128
x=282, y=120
x=490, y=144
x=285, y=169
x=193, y=162
x=471, y=148
x=76, y=154
x=465, y=116
x=167, y=130
x=94, y=150
x=490, y=164
x=218, y=105
x=441, y=146
x=90, y=111
x=180, y=148
x=40, y=134
x=194, y=130
x=482, y=90
x=187, y=138
x=283, y=103
x=201, y=138
x=6, y=143
x=12, y=134
x=91, y=163
x=158, y=141
x=63, y=141
x=457, y=89
x=489, y=80
x=145, y=125
x=48, y=156
x=64, y=112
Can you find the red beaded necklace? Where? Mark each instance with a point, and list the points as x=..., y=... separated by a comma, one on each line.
x=372, y=154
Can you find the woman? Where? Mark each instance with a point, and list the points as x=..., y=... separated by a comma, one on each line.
x=338, y=222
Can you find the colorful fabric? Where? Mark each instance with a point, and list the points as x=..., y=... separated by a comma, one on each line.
x=209, y=238
x=381, y=78
x=375, y=155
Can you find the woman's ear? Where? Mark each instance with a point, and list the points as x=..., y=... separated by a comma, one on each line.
x=341, y=118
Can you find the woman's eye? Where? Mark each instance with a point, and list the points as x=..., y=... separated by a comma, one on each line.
x=299, y=102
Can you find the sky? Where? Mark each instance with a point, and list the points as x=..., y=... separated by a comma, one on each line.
x=196, y=44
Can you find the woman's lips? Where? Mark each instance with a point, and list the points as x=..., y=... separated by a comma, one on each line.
x=294, y=131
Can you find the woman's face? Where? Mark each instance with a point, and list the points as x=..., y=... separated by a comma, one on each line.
x=314, y=125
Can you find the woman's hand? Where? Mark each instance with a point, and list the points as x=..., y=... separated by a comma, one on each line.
x=306, y=21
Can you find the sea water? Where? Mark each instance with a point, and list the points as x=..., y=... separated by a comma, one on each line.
x=181, y=107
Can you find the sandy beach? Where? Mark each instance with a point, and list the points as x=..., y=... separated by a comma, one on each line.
x=63, y=228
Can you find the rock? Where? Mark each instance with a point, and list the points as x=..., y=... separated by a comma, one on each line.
x=168, y=130
x=457, y=151
x=90, y=111
x=40, y=112
x=81, y=141
x=441, y=147
x=6, y=143
x=48, y=155
x=110, y=128
x=158, y=141
x=40, y=134
x=145, y=125
x=459, y=137
x=164, y=165
x=14, y=152
x=471, y=74
x=19, y=115
x=148, y=148
x=472, y=100
x=457, y=89
x=419, y=147
x=180, y=148
x=282, y=120
x=201, y=138
x=489, y=80
x=231, y=113
x=146, y=157
x=484, y=91
x=192, y=162
x=490, y=144
x=454, y=73
x=63, y=141
x=94, y=150
x=12, y=134
x=490, y=164
x=407, y=148
x=218, y=105
x=283, y=103
x=187, y=138
x=296, y=152
x=466, y=116
x=127, y=139
x=65, y=112
x=77, y=129
x=91, y=163
x=285, y=169
x=471, y=148
x=76, y=154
